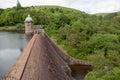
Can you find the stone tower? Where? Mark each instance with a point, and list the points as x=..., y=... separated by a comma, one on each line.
x=29, y=25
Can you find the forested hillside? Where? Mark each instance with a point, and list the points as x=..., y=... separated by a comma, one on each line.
x=83, y=36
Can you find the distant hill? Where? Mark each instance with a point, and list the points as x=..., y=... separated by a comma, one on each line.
x=114, y=14
x=10, y=16
x=101, y=14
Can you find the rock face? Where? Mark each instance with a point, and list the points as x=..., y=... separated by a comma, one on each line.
x=43, y=60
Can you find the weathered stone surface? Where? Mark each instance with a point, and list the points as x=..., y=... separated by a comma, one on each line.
x=43, y=60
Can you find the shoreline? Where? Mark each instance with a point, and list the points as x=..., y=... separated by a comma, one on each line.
x=12, y=29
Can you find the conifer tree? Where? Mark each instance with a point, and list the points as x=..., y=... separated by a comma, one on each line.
x=18, y=5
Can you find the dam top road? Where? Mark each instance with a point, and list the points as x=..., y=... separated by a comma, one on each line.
x=44, y=60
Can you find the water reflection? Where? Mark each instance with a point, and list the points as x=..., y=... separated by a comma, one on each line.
x=7, y=58
x=11, y=46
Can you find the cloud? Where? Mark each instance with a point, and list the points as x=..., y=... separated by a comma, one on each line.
x=105, y=6
x=89, y=6
x=95, y=6
x=42, y=2
x=7, y=3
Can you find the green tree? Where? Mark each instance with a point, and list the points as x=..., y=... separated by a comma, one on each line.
x=63, y=20
x=18, y=5
x=113, y=74
x=20, y=26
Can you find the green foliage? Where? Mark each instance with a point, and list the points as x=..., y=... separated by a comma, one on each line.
x=113, y=74
x=111, y=15
x=20, y=25
x=91, y=76
x=63, y=20
x=105, y=68
x=99, y=61
x=102, y=42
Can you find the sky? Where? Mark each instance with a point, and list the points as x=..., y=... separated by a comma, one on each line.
x=88, y=6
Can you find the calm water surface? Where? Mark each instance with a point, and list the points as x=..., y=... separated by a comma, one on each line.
x=11, y=46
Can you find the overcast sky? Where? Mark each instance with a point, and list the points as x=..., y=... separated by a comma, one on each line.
x=89, y=6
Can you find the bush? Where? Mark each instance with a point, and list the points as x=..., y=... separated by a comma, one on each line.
x=90, y=76
x=20, y=25
x=113, y=74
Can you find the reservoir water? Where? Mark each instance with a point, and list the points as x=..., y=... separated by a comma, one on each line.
x=11, y=46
